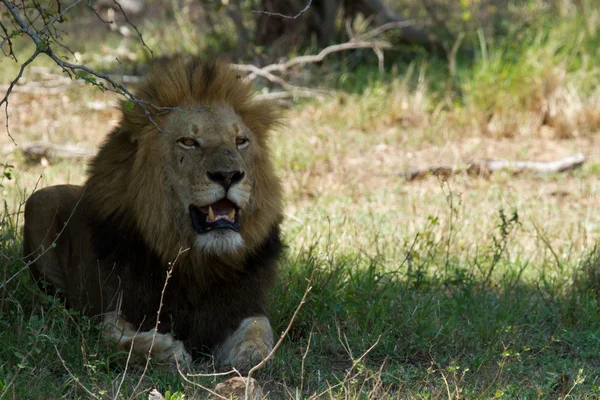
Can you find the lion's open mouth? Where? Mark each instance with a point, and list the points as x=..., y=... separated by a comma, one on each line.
x=222, y=214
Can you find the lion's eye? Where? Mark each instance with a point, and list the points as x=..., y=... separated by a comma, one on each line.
x=241, y=142
x=188, y=142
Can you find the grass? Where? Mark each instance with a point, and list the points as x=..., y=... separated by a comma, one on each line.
x=466, y=288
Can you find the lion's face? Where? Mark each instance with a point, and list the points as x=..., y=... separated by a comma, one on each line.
x=205, y=179
x=208, y=153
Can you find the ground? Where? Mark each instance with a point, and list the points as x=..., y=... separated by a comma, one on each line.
x=467, y=287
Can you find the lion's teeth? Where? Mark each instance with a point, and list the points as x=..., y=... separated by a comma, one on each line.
x=211, y=214
x=231, y=215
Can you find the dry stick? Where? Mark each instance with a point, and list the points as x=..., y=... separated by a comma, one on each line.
x=12, y=85
x=162, y=295
x=301, y=60
x=213, y=374
x=256, y=71
x=76, y=379
x=387, y=27
x=272, y=14
x=281, y=338
x=199, y=385
x=43, y=46
x=490, y=166
x=347, y=377
x=446, y=384
x=303, y=360
x=118, y=307
x=134, y=27
x=7, y=39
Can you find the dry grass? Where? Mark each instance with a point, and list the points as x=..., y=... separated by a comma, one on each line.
x=342, y=161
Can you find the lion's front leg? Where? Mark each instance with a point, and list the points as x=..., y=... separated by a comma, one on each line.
x=248, y=345
x=163, y=347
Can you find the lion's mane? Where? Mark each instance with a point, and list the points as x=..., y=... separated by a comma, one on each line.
x=125, y=184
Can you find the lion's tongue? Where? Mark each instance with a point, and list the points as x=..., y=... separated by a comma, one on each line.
x=219, y=210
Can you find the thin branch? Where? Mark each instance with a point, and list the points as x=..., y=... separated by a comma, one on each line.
x=134, y=27
x=73, y=377
x=301, y=60
x=386, y=27
x=55, y=18
x=217, y=395
x=160, y=305
x=97, y=14
x=276, y=79
x=272, y=14
x=4, y=100
x=41, y=39
x=7, y=39
x=281, y=338
x=355, y=363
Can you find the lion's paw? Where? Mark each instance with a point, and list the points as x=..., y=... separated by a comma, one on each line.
x=164, y=349
x=171, y=353
x=248, y=345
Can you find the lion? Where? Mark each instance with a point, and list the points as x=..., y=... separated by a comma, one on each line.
x=185, y=183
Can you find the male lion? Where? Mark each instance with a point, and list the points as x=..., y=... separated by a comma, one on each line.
x=188, y=167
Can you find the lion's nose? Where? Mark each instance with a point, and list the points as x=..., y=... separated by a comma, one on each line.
x=226, y=178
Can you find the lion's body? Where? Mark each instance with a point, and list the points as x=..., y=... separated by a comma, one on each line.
x=147, y=198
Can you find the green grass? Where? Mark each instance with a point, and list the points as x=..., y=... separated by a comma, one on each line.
x=472, y=288
x=415, y=322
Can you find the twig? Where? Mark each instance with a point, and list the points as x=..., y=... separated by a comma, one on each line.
x=134, y=27
x=272, y=14
x=76, y=379
x=7, y=39
x=301, y=60
x=347, y=377
x=386, y=27
x=303, y=361
x=42, y=42
x=12, y=85
x=162, y=295
x=281, y=338
x=199, y=385
x=118, y=307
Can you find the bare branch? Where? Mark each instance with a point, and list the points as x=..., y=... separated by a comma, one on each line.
x=272, y=14
x=47, y=36
x=160, y=305
x=73, y=377
x=387, y=27
x=134, y=27
x=281, y=338
x=302, y=60
x=57, y=17
x=7, y=39
x=4, y=100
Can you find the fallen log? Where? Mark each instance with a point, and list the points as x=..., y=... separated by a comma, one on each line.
x=487, y=167
x=37, y=151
